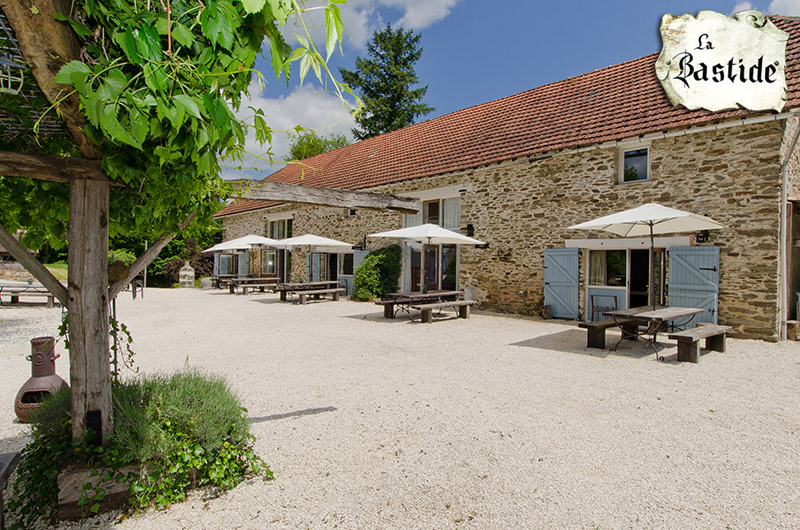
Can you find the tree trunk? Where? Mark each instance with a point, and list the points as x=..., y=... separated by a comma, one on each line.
x=90, y=375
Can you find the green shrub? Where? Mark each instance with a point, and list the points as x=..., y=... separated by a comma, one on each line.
x=379, y=273
x=187, y=428
x=124, y=255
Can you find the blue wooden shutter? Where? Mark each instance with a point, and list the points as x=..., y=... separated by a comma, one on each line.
x=244, y=264
x=216, y=264
x=694, y=280
x=561, y=281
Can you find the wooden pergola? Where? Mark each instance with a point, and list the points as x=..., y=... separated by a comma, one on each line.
x=46, y=45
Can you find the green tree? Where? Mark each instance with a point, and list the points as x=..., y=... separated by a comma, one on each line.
x=309, y=143
x=384, y=82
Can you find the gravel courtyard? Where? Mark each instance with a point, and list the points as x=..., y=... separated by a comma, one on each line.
x=489, y=423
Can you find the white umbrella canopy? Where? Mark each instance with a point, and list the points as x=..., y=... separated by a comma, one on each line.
x=311, y=240
x=242, y=243
x=650, y=219
x=431, y=234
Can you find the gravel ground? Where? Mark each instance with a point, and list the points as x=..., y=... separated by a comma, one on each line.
x=489, y=423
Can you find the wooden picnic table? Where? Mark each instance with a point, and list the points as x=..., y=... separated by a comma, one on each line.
x=316, y=288
x=14, y=290
x=403, y=301
x=656, y=321
x=251, y=282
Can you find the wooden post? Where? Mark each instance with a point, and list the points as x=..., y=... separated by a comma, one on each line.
x=90, y=375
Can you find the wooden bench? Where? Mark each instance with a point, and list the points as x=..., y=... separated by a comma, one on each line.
x=427, y=309
x=8, y=463
x=596, y=331
x=688, y=340
x=302, y=295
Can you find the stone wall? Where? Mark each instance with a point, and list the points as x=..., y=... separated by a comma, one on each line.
x=522, y=207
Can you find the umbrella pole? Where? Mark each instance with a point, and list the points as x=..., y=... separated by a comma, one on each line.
x=652, y=267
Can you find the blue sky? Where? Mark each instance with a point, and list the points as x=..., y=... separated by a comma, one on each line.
x=477, y=51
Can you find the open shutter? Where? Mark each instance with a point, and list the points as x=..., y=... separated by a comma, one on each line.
x=244, y=264
x=216, y=264
x=316, y=269
x=694, y=280
x=561, y=281
x=308, y=268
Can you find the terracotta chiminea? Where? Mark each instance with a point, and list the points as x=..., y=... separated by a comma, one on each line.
x=43, y=381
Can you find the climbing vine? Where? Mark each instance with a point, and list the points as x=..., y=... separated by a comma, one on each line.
x=159, y=82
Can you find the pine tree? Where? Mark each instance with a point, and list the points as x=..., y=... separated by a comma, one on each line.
x=384, y=82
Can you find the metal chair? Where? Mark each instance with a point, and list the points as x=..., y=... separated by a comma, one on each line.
x=602, y=303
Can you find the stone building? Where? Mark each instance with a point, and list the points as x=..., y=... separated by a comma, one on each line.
x=516, y=172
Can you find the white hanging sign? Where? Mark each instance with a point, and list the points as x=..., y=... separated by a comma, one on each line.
x=716, y=62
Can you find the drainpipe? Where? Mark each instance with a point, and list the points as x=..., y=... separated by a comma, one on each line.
x=783, y=281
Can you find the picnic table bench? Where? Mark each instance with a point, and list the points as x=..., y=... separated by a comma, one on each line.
x=14, y=291
x=8, y=462
x=305, y=289
x=688, y=340
x=427, y=308
x=250, y=283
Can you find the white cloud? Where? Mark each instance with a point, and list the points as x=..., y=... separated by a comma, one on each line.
x=742, y=5
x=306, y=106
x=419, y=14
x=363, y=17
x=785, y=7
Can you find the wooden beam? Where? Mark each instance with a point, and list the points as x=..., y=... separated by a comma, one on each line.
x=48, y=167
x=87, y=258
x=294, y=193
x=146, y=259
x=47, y=45
x=23, y=255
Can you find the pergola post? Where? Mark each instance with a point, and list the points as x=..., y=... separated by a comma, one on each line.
x=90, y=374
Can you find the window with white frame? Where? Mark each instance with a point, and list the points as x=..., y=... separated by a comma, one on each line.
x=634, y=164
x=279, y=229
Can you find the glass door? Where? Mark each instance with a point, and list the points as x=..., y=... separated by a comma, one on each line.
x=431, y=280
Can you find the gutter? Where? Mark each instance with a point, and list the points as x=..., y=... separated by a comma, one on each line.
x=783, y=298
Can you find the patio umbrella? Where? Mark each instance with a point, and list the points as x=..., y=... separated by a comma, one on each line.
x=311, y=240
x=650, y=219
x=430, y=234
x=243, y=243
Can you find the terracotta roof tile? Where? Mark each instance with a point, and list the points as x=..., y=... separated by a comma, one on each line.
x=620, y=101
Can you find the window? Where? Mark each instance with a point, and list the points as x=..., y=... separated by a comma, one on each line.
x=634, y=165
x=349, y=212
x=268, y=262
x=346, y=264
x=430, y=212
x=280, y=229
x=608, y=268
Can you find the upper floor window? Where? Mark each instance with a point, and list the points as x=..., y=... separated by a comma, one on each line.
x=634, y=165
x=280, y=229
x=443, y=212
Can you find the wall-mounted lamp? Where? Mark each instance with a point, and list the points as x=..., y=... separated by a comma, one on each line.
x=470, y=230
x=702, y=236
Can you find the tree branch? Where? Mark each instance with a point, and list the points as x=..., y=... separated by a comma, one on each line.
x=48, y=167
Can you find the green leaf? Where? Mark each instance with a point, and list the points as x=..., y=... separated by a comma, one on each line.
x=148, y=43
x=182, y=34
x=188, y=104
x=333, y=28
x=73, y=73
x=209, y=22
x=155, y=77
x=253, y=6
x=128, y=44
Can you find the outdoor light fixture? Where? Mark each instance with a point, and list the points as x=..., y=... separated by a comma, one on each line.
x=702, y=236
x=470, y=230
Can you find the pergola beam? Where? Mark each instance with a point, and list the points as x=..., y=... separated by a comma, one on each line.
x=295, y=193
x=26, y=259
x=49, y=167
